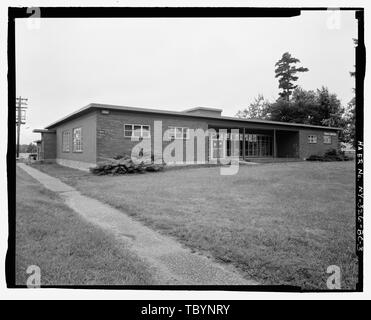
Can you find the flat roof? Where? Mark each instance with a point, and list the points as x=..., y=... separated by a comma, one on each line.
x=93, y=106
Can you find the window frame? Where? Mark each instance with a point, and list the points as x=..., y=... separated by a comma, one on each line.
x=312, y=139
x=74, y=143
x=178, y=133
x=142, y=131
x=66, y=133
x=131, y=130
x=146, y=131
x=327, y=136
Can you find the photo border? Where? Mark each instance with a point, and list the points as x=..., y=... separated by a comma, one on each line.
x=179, y=12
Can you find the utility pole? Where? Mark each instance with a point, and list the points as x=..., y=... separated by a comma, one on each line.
x=20, y=118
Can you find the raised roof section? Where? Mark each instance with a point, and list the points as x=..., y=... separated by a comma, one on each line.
x=204, y=111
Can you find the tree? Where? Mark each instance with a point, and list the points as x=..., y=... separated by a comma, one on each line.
x=31, y=148
x=349, y=132
x=330, y=110
x=23, y=148
x=349, y=117
x=318, y=107
x=256, y=109
x=282, y=110
x=299, y=109
x=286, y=73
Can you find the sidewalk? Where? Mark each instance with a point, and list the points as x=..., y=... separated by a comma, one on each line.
x=173, y=264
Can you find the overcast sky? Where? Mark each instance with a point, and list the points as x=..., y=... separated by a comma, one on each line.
x=174, y=64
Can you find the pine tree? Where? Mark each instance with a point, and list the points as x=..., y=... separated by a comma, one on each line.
x=286, y=72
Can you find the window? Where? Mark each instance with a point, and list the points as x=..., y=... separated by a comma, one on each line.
x=66, y=141
x=251, y=138
x=77, y=139
x=171, y=133
x=146, y=132
x=312, y=139
x=178, y=133
x=128, y=130
x=137, y=130
x=327, y=139
x=185, y=133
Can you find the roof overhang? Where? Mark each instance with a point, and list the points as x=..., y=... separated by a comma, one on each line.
x=95, y=106
x=43, y=131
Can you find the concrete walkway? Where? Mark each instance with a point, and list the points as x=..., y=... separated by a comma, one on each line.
x=172, y=263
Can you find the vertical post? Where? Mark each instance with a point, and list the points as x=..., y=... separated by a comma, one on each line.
x=274, y=144
x=19, y=119
x=243, y=145
x=19, y=107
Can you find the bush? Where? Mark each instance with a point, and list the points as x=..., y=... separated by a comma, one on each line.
x=330, y=155
x=331, y=152
x=124, y=165
x=315, y=158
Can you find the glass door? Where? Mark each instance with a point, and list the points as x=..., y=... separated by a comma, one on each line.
x=258, y=145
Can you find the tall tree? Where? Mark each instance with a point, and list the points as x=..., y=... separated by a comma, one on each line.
x=286, y=71
x=256, y=109
x=349, y=132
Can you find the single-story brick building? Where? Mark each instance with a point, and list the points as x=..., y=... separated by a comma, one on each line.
x=99, y=131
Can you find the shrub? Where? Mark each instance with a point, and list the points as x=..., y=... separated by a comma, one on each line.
x=124, y=165
x=330, y=155
x=315, y=158
x=331, y=152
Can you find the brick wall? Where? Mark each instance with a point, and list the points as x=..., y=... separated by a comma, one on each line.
x=110, y=131
x=111, y=140
x=306, y=149
x=87, y=123
x=48, y=146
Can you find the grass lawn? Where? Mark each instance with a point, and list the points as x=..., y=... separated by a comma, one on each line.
x=68, y=250
x=281, y=223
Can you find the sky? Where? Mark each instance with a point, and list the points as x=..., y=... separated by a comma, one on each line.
x=175, y=63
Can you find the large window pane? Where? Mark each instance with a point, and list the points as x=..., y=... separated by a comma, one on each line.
x=137, y=131
x=146, y=132
x=77, y=140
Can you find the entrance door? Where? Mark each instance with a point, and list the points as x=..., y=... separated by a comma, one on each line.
x=218, y=148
